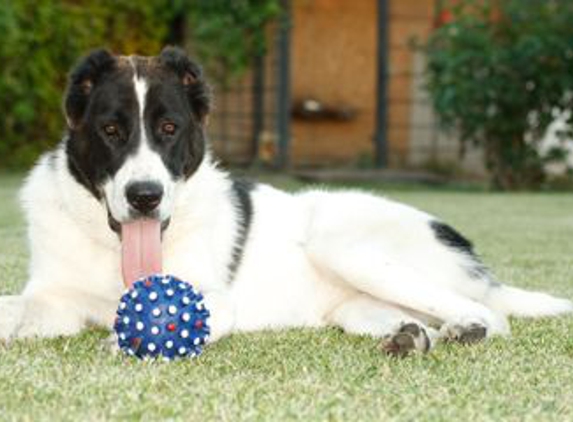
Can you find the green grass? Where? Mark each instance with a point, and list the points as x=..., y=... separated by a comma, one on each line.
x=322, y=374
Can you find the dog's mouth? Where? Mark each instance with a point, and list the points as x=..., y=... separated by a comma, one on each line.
x=140, y=246
x=115, y=225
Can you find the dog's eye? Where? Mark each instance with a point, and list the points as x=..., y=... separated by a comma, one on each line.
x=111, y=130
x=168, y=128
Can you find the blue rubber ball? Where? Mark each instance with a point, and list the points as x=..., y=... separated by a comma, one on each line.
x=161, y=317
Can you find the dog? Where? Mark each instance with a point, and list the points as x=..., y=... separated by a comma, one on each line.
x=135, y=149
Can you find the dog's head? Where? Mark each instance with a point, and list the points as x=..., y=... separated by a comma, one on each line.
x=136, y=128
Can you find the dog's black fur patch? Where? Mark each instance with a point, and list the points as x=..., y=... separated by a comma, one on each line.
x=101, y=91
x=453, y=239
x=241, y=196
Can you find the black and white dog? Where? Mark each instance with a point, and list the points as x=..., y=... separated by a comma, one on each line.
x=136, y=149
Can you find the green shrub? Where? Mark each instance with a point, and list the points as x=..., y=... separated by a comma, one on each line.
x=498, y=72
x=41, y=40
x=228, y=34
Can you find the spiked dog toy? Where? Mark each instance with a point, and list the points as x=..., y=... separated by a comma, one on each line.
x=159, y=316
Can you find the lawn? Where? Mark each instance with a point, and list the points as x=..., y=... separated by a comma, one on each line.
x=322, y=374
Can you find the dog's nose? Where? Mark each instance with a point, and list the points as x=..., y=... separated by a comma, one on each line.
x=144, y=196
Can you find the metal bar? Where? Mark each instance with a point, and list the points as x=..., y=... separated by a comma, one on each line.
x=380, y=137
x=284, y=100
x=224, y=124
x=258, y=104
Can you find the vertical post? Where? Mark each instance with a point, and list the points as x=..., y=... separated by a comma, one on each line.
x=258, y=105
x=284, y=100
x=380, y=137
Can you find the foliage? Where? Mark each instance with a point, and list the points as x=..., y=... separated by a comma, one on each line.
x=227, y=35
x=499, y=72
x=42, y=39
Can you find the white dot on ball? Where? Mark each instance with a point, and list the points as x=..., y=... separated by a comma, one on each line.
x=139, y=307
x=197, y=341
x=169, y=344
x=153, y=296
x=122, y=305
x=122, y=336
x=186, y=300
x=134, y=294
x=172, y=310
x=139, y=326
x=184, y=333
x=200, y=306
x=170, y=292
x=186, y=317
x=154, y=330
x=151, y=347
x=182, y=286
x=126, y=320
x=156, y=312
x=130, y=352
x=165, y=280
x=182, y=350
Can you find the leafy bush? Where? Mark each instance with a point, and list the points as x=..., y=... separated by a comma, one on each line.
x=40, y=41
x=228, y=34
x=499, y=72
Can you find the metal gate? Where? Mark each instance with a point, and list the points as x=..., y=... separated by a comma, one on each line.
x=250, y=121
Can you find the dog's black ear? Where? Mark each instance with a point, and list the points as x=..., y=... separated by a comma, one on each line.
x=81, y=82
x=191, y=77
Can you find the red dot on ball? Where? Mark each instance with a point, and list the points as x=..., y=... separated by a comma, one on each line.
x=171, y=327
x=147, y=283
x=198, y=324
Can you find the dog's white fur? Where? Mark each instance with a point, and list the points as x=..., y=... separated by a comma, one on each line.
x=311, y=259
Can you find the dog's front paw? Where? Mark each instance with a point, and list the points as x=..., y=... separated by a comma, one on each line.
x=11, y=312
x=110, y=344
x=40, y=316
x=222, y=319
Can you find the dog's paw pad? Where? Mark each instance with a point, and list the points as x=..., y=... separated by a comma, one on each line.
x=400, y=344
x=472, y=334
x=467, y=334
x=410, y=338
x=411, y=328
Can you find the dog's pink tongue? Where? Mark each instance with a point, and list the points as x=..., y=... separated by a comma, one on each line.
x=141, y=249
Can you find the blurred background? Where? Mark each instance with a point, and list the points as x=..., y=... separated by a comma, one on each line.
x=427, y=90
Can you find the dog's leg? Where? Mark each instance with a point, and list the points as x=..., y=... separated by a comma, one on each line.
x=47, y=314
x=362, y=265
x=11, y=311
x=222, y=315
x=50, y=316
x=401, y=333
